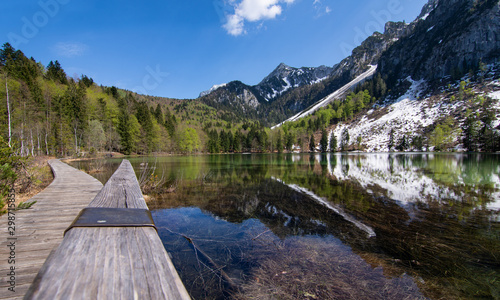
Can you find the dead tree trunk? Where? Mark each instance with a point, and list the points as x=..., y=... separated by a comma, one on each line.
x=8, y=111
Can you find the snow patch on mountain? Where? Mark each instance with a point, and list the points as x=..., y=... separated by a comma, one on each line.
x=213, y=88
x=424, y=16
x=335, y=95
x=407, y=115
x=285, y=78
x=495, y=95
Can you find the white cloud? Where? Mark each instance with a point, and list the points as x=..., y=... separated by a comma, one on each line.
x=69, y=49
x=234, y=25
x=321, y=9
x=252, y=11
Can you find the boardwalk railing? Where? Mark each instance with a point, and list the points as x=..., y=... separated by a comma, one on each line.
x=108, y=256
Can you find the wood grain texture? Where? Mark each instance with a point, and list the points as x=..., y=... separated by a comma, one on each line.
x=110, y=262
x=40, y=229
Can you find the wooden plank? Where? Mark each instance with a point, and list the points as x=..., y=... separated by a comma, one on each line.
x=40, y=229
x=121, y=191
x=131, y=262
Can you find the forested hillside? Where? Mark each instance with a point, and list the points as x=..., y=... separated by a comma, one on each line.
x=45, y=112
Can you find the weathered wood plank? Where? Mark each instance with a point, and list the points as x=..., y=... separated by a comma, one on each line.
x=39, y=229
x=110, y=262
x=121, y=191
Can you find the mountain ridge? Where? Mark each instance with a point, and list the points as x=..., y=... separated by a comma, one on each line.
x=403, y=50
x=285, y=85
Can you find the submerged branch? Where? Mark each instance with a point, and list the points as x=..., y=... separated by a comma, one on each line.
x=212, y=265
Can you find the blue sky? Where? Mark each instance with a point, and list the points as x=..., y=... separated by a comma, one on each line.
x=178, y=48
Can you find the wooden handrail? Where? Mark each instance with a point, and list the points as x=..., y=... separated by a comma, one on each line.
x=110, y=262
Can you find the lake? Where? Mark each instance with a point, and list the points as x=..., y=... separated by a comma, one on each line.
x=327, y=226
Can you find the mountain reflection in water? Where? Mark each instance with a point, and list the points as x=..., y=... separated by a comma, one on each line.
x=336, y=226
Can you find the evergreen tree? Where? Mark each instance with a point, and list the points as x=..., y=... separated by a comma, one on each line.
x=312, y=144
x=224, y=141
x=125, y=131
x=237, y=141
x=489, y=138
x=324, y=141
x=279, y=143
x=213, y=142
x=86, y=81
x=333, y=143
x=403, y=144
x=170, y=123
x=6, y=54
x=359, y=140
x=289, y=138
x=149, y=134
x=344, y=142
x=391, y=140
x=418, y=143
x=56, y=72
x=159, y=114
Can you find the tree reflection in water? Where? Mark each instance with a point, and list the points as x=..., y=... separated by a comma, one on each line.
x=296, y=226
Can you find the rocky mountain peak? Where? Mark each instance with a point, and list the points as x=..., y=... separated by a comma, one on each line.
x=395, y=30
x=451, y=37
x=281, y=71
x=427, y=9
x=285, y=77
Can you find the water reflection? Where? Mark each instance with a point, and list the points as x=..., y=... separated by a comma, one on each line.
x=413, y=178
x=323, y=226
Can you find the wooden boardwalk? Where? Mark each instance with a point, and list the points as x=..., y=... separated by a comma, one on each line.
x=40, y=229
x=111, y=254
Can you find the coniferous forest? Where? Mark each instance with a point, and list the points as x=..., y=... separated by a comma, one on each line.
x=47, y=112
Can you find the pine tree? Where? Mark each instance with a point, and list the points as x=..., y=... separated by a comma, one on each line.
x=159, y=114
x=170, y=123
x=289, y=137
x=359, y=140
x=312, y=144
x=333, y=143
x=279, y=143
x=391, y=140
x=403, y=144
x=56, y=72
x=237, y=141
x=324, y=141
x=124, y=130
x=6, y=54
x=213, y=142
x=344, y=142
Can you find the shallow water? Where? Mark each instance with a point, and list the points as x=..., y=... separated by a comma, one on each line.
x=336, y=226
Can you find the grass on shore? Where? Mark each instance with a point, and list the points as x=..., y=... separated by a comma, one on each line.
x=33, y=178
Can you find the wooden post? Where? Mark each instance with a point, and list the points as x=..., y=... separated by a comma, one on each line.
x=110, y=262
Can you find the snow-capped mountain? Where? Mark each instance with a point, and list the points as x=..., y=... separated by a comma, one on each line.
x=284, y=78
x=448, y=40
x=287, y=91
x=213, y=88
x=240, y=99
